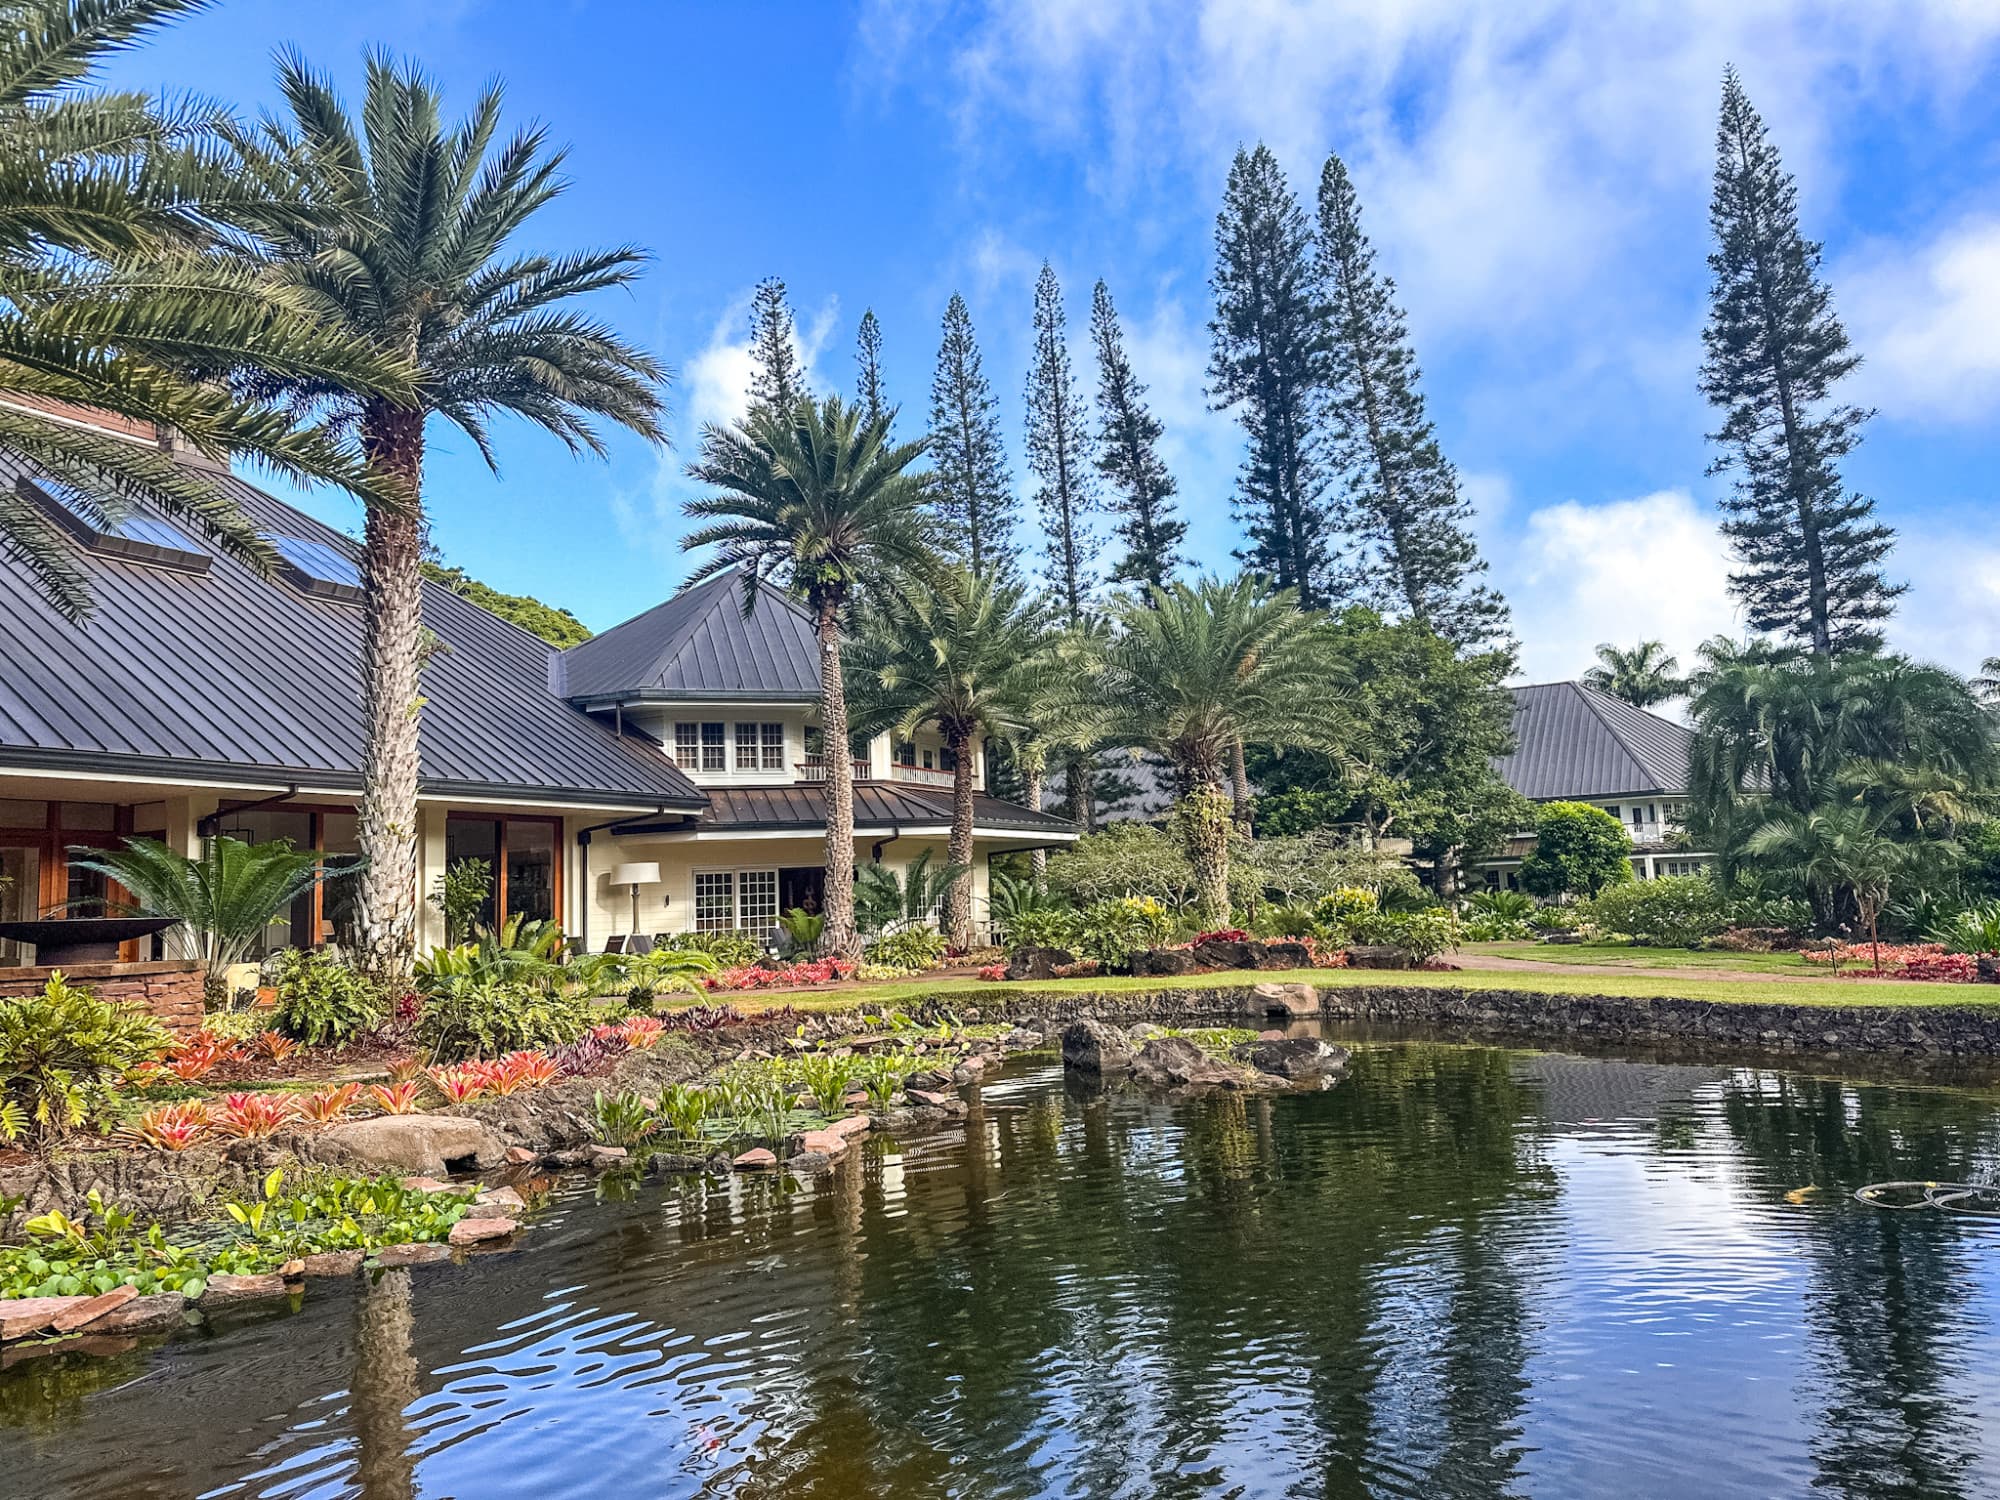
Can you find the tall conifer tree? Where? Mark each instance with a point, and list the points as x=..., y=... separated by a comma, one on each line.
x=868, y=361
x=1268, y=362
x=1403, y=500
x=1809, y=550
x=1060, y=454
x=1129, y=458
x=972, y=488
x=777, y=383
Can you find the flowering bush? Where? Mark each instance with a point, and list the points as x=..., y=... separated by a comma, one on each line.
x=792, y=976
x=1221, y=935
x=1947, y=968
x=1893, y=955
x=993, y=973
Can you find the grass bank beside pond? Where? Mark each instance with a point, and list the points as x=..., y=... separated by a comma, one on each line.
x=1631, y=956
x=1637, y=985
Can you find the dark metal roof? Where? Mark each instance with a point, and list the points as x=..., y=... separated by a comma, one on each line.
x=700, y=644
x=221, y=673
x=879, y=807
x=1572, y=741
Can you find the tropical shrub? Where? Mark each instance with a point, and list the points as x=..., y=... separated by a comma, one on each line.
x=322, y=1001
x=1338, y=913
x=1112, y=931
x=519, y=951
x=1579, y=850
x=803, y=930
x=791, y=976
x=1286, y=922
x=883, y=899
x=1500, y=917
x=224, y=899
x=1124, y=859
x=487, y=1017
x=461, y=896
x=1303, y=869
x=911, y=949
x=62, y=1053
x=673, y=970
x=730, y=950
x=1675, y=911
x=1046, y=927
x=1974, y=930
x=1010, y=899
x=1423, y=935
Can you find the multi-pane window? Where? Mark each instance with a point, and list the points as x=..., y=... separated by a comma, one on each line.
x=715, y=901
x=756, y=898
x=714, y=756
x=760, y=747
x=732, y=900
x=687, y=746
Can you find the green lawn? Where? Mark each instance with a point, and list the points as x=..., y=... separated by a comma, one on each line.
x=1627, y=956
x=964, y=992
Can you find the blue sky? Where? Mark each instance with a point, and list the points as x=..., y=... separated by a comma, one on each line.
x=1534, y=173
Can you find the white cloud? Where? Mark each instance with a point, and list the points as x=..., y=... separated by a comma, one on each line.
x=1651, y=568
x=1952, y=611
x=1926, y=319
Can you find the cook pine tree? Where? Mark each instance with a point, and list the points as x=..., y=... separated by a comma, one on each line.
x=777, y=380
x=1060, y=456
x=868, y=366
x=972, y=488
x=1809, y=550
x=1402, y=502
x=1268, y=364
x=1128, y=456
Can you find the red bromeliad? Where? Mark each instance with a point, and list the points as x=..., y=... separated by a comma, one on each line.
x=274, y=1046
x=460, y=1085
x=168, y=1127
x=328, y=1104
x=394, y=1098
x=253, y=1116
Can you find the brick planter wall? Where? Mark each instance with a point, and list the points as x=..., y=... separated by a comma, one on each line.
x=170, y=990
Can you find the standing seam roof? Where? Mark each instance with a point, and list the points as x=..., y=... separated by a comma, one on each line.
x=1572, y=741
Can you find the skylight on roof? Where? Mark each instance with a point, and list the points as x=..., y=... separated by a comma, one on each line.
x=114, y=527
x=319, y=568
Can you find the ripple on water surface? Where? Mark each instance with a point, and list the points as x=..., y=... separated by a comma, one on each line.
x=1462, y=1271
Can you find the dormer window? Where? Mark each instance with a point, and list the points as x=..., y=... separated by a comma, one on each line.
x=700, y=747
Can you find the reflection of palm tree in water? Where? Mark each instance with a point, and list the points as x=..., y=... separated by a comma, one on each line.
x=385, y=1384
x=1886, y=1312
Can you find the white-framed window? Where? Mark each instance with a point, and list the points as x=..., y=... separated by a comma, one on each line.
x=687, y=746
x=760, y=747
x=714, y=749
x=732, y=900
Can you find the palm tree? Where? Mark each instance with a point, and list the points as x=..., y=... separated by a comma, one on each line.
x=819, y=501
x=1841, y=855
x=963, y=654
x=407, y=250
x=1191, y=671
x=1642, y=676
x=225, y=899
x=114, y=296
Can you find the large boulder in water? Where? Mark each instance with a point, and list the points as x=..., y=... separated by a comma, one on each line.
x=1286, y=999
x=1295, y=1057
x=1176, y=1062
x=1093, y=1047
x=432, y=1145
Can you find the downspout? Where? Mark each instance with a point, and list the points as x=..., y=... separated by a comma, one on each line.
x=583, y=870
x=875, y=852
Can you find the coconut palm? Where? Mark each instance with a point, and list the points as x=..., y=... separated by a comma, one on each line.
x=408, y=250
x=964, y=654
x=1644, y=675
x=1191, y=671
x=113, y=297
x=818, y=501
x=225, y=898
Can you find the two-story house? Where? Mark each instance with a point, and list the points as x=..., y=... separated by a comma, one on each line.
x=1575, y=744
x=200, y=698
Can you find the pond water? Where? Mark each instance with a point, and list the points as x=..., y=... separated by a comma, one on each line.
x=1463, y=1270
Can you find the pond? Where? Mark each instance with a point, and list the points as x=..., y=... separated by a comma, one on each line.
x=1463, y=1270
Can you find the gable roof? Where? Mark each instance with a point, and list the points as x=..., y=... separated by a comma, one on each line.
x=699, y=644
x=1572, y=741
x=214, y=673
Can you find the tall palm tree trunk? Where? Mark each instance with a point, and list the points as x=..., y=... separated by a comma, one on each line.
x=386, y=903
x=840, y=938
x=958, y=850
x=1082, y=806
x=1032, y=766
x=1239, y=784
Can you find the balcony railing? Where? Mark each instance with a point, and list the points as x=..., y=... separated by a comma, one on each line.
x=921, y=775
x=813, y=768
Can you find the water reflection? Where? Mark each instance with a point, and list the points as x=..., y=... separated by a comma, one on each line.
x=1464, y=1271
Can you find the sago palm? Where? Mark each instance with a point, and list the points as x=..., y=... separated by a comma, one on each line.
x=407, y=248
x=224, y=899
x=1646, y=674
x=1194, y=671
x=819, y=502
x=113, y=296
x=964, y=654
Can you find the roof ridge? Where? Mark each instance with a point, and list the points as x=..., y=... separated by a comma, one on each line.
x=1638, y=752
x=1589, y=696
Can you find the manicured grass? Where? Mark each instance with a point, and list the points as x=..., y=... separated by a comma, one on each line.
x=1627, y=956
x=906, y=993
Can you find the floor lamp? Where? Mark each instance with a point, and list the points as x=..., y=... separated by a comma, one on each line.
x=635, y=875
